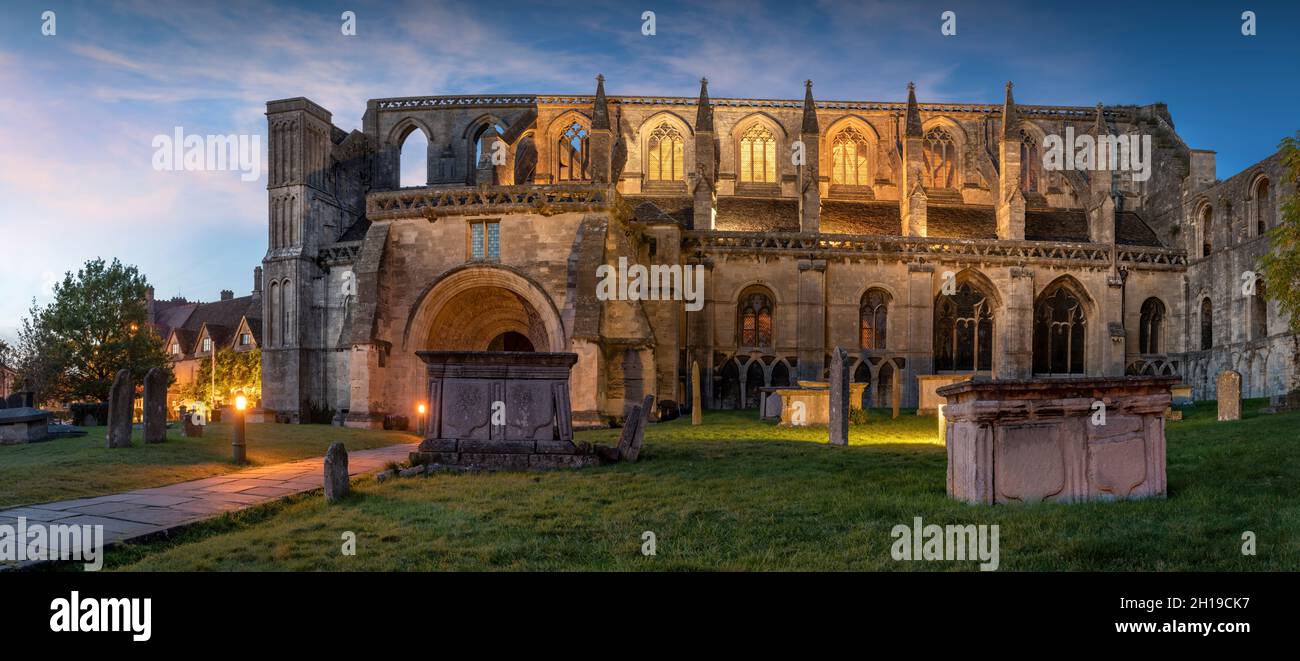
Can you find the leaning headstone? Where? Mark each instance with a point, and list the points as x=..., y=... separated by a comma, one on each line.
x=697, y=414
x=120, y=409
x=895, y=393
x=839, y=404
x=1228, y=393
x=155, y=406
x=336, y=472
x=629, y=442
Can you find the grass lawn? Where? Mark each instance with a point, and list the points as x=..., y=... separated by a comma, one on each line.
x=741, y=494
x=68, y=468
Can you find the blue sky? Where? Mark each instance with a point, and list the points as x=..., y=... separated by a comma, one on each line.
x=79, y=110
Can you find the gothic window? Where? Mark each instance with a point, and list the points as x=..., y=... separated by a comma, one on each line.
x=1207, y=215
x=1207, y=324
x=664, y=154
x=849, y=154
x=1059, y=325
x=758, y=155
x=1263, y=207
x=574, y=157
x=413, y=168
x=873, y=318
x=1151, y=326
x=940, y=154
x=963, y=331
x=755, y=320
x=1258, y=312
x=1030, y=163
x=525, y=161
x=272, y=317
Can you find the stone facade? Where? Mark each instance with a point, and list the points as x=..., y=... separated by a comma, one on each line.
x=924, y=236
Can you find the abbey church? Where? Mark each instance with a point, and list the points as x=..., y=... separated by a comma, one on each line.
x=924, y=238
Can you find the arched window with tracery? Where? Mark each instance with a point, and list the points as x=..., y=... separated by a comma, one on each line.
x=758, y=155
x=1207, y=324
x=574, y=157
x=755, y=319
x=873, y=318
x=1151, y=326
x=963, y=331
x=665, y=159
x=850, y=158
x=1059, y=324
x=939, y=152
x=1030, y=163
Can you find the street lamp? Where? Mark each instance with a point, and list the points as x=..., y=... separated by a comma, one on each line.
x=420, y=420
x=237, y=447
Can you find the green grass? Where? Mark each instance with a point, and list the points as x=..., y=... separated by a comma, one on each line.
x=68, y=468
x=740, y=494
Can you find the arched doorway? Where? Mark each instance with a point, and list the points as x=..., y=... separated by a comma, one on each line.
x=511, y=341
x=484, y=308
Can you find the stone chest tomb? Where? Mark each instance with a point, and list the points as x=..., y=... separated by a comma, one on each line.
x=500, y=409
x=1044, y=439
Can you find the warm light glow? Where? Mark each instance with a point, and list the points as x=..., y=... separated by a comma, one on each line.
x=420, y=408
x=241, y=402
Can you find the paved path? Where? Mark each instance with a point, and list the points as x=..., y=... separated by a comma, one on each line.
x=142, y=512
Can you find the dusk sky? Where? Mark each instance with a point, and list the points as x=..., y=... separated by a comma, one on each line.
x=79, y=110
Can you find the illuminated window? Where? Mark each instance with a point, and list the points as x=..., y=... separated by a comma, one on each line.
x=758, y=155
x=245, y=339
x=176, y=348
x=1029, y=163
x=1151, y=326
x=849, y=154
x=664, y=151
x=873, y=318
x=207, y=344
x=574, y=157
x=755, y=320
x=485, y=240
x=940, y=155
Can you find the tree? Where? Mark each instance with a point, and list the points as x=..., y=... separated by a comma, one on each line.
x=1281, y=266
x=238, y=373
x=71, y=349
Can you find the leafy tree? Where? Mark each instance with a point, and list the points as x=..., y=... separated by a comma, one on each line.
x=237, y=373
x=71, y=349
x=1281, y=266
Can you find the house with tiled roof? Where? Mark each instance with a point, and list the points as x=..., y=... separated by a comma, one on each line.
x=231, y=322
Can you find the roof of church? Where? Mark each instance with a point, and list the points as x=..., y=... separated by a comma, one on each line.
x=881, y=218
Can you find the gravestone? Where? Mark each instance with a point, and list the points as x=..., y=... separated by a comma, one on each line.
x=838, y=419
x=1228, y=394
x=895, y=393
x=155, y=406
x=772, y=406
x=120, y=409
x=190, y=428
x=629, y=442
x=336, y=472
x=697, y=412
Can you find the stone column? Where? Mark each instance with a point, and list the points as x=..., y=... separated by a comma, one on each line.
x=839, y=394
x=918, y=322
x=697, y=415
x=811, y=318
x=1016, y=360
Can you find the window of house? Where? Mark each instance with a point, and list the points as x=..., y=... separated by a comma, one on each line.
x=207, y=344
x=485, y=240
x=758, y=155
x=176, y=348
x=245, y=339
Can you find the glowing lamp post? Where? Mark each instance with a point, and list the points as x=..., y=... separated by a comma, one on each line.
x=419, y=421
x=237, y=447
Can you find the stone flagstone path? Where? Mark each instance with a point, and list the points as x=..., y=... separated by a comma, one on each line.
x=134, y=514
